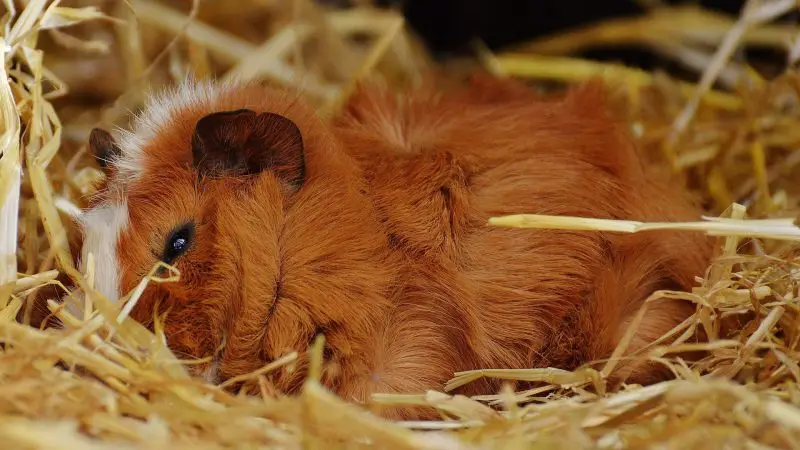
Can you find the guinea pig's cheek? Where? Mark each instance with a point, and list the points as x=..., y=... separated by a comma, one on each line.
x=152, y=298
x=189, y=337
x=173, y=291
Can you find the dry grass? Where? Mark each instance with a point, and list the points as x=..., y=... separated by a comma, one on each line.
x=105, y=382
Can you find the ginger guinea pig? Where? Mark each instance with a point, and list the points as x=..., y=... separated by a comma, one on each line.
x=372, y=229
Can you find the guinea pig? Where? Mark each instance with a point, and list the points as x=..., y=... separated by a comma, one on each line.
x=371, y=228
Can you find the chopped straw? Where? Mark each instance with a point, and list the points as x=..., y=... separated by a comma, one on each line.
x=106, y=382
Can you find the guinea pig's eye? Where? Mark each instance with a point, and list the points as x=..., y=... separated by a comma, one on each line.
x=178, y=242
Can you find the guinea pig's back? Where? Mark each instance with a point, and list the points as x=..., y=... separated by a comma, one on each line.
x=439, y=165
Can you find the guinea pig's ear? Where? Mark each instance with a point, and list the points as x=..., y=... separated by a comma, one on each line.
x=243, y=142
x=103, y=148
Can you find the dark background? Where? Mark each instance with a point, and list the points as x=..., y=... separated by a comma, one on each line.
x=448, y=27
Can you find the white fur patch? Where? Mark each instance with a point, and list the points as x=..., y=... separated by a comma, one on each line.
x=211, y=374
x=156, y=115
x=102, y=227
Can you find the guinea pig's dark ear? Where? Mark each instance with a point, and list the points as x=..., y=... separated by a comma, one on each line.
x=243, y=142
x=103, y=148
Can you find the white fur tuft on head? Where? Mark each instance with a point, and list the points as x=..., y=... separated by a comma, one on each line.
x=156, y=115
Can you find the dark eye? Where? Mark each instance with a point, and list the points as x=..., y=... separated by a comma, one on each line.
x=178, y=242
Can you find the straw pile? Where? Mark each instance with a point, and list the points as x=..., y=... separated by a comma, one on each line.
x=101, y=384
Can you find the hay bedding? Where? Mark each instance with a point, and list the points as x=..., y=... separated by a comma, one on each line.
x=104, y=382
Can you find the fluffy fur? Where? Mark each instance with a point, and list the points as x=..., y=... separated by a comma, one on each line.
x=102, y=227
x=158, y=114
x=385, y=248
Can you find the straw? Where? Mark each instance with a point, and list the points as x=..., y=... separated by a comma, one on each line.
x=104, y=381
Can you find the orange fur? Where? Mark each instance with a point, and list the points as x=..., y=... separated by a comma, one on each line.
x=385, y=248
